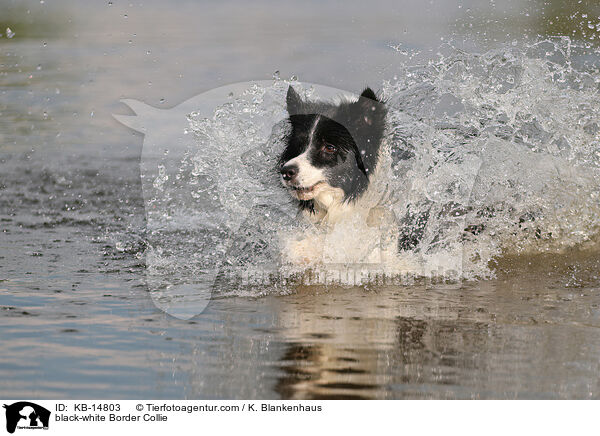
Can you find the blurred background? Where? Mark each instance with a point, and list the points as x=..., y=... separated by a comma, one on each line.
x=65, y=64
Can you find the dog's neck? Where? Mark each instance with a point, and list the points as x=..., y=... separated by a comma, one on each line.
x=329, y=205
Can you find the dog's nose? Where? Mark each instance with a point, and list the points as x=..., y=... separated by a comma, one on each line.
x=288, y=172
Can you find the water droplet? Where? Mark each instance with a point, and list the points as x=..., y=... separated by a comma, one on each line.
x=9, y=33
x=162, y=100
x=125, y=16
x=276, y=75
x=109, y=3
x=39, y=67
x=294, y=78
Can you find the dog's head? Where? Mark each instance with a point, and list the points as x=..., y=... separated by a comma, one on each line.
x=332, y=148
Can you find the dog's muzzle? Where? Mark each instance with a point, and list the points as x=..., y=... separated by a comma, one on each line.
x=288, y=172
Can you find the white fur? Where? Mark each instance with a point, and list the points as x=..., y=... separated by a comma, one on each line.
x=355, y=232
x=308, y=175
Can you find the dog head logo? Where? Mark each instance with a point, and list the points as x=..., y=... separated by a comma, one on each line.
x=189, y=154
x=24, y=414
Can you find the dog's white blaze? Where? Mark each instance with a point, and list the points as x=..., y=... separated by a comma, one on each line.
x=308, y=175
x=311, y=135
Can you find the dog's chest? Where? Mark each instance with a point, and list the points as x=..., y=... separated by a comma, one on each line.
x=348, y=234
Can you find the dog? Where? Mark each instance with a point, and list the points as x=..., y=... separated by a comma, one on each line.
x=332, y=156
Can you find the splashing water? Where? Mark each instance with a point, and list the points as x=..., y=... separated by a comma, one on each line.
x=486, y=155
x=523, y=123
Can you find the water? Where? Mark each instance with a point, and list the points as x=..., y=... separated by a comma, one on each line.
x=83, y=265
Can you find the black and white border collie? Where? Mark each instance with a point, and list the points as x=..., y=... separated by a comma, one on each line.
x=332, y=154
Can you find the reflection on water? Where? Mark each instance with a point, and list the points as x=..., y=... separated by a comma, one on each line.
x=472, y=342
x=511, y=338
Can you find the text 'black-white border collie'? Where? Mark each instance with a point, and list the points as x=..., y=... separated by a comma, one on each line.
x=331, y=156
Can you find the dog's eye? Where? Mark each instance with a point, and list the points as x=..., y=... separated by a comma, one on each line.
x=329, y=148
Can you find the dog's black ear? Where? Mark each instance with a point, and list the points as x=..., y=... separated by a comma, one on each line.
x=368, y=93
x=294, y=101
x=371, y=109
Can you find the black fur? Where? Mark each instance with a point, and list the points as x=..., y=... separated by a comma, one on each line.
x=355, y=128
